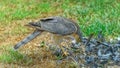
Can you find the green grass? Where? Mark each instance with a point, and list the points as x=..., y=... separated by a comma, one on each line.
x=92, y=15
x=96, y=15
x=23, y=9
x=12, y=56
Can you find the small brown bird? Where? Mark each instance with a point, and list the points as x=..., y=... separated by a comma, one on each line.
x=56, y=25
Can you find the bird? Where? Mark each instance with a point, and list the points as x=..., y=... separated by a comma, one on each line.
x=56, y=24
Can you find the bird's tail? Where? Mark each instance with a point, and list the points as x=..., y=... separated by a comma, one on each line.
x=27, y=39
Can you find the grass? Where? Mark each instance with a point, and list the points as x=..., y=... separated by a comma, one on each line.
x=91, y=15
x=11, y=56
x=17, y=10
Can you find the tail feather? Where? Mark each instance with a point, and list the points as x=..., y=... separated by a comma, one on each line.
x=27, y=39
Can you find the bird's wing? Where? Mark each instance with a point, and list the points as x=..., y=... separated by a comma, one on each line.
x=79, y=32
x=48, y=19
x=27, y=39
x=43, y=21
x=57, y=25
